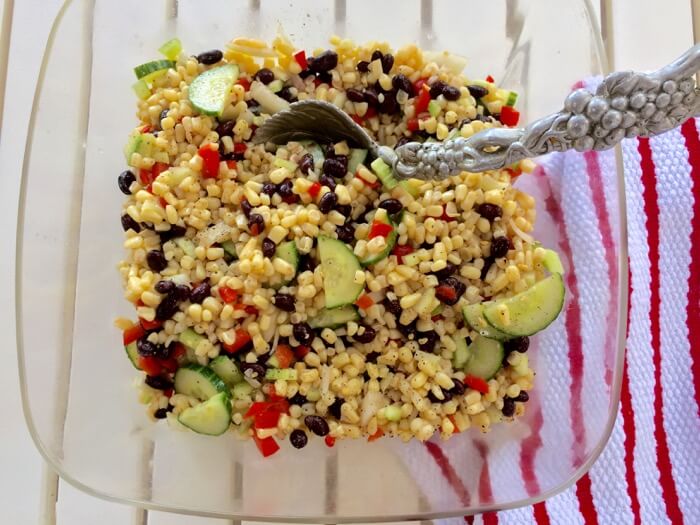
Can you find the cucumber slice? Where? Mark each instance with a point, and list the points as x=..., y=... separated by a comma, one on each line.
x=285, y=374
x=198, y=381
x=275, y=86
x=384, y=173
x=190, y=338
x=486, y=358
x=287, y=251
x=171, y=49
x=474, y=317
x=133, y=354
x=334, y=318
x=241, y=390
x=381, y=216
x=411, y=186
x=462, y=353
x=230, y=249
x=141, y=89
x=339, y=265
x=144, y=70
x=316, y=152
x=209, y=91
x=186, y=246
x=212, y=417
x=434, y=108
x=530, y=311
x=552, y=262
x=287, y=164
x=357, y=157
x=512, y=98
x=227, y=370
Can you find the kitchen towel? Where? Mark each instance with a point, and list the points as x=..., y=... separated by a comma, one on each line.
x=649, y=472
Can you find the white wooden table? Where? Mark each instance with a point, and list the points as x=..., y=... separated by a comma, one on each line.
x=29, y=492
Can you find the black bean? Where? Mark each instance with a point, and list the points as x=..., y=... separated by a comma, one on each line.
x=164, y=286
x=128, y=223
x=389, y=105
x=210, y=57
x=284, y=301
x=161, y=413
x=345, y=233
x=499, y=247
x=200, y=292
x=182, y=292
x=225, y=129
x=376, y=55
x=303, y=333
x=451, y=93
x=488, y=261
x=447, y=396
x=452, y=283
x=523, y=397
x=367, y=336
x=145, y=348
x=489, y=211
x=372, y=357
x=174, y=232
x=306, y=73
x=334, y=409
x=519, y=344
x=371, y=97
x=336, y=166
x=256, y=224
x=355, y=95
x=324, y=62
x=402, y=82
x=307, y=164
x=124, y=181
x=269, y=188
x=427, y=340
x=298, y=438
x=328, y=181
x=265, y=75
x=167, y=307
x=407, y=330
x=156, y=260
x=306, y=264
x=257, y=370
x=297, y=399
x=286, y=188
x=477, y=91
x=392, y=306
x=317, y=425
x=392, y=206
x=286, y=94
x=458, y=389
x=363, y=66
x=268, y=247
x=387, y=63
x=344, y=209
x=508, y=407
x=327, y=202
x=163, y=114
x=159, y=382
x=446, y=272
x=436, y=88
x=246, y=207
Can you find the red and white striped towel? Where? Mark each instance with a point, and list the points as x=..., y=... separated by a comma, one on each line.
x=649, y=471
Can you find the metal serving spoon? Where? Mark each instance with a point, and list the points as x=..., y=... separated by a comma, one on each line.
x=625, y=105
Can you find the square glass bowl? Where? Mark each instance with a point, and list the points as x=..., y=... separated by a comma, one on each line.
x=77, y=385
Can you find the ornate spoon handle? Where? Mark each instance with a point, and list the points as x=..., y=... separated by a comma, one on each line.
x=625, y=105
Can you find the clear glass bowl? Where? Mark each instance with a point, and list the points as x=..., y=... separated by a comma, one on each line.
x=76, y=383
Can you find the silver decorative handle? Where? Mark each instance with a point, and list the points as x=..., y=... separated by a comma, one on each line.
x=625, y=105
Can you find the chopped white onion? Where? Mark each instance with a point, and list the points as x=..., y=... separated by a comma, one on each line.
x=371, y=404
x=524, y=236
x=269, y=102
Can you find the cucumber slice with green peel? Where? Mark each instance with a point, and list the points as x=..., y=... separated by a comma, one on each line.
x=552, y=262
x=462, y=353
x=334, y=318
x=191, y=339
x=338, y=264
x=485, y=358
x=512, y=98
x=212, y=417
x=227, y=370
x=171, y=49
x=357, y=157
x=144, y=70
x=198, y=381
x=241, y=390
x=530, y=311
x=285, y=374
x=141, y=89
x=391, y=238
x=384, y=173
x=474, y=317
x=209, y=91
x=230, y=249
x=133, y=354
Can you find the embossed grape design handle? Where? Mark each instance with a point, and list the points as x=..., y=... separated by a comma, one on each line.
x=625, y=105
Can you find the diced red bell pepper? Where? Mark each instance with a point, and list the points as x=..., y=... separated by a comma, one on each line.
x=380, y=229
x=454, y=422
x=134, y=333
x=146, y=176
x=228, y=295
x=266, y=419
x=373, y=185
x=284, y=355
x=146, y=129
x=446, y=217
x=244, y=82
x=330, y=441
x=358, y=119
x=178, y=351
x=379, y=433
x=231, y=164
x=163, y=202
x=422, y=101
x=489, y=78
x=150, y=365
x=300, y=57
x=169, y=392
x=509, y=116
x=150, y=325
x=371, y=112
x=412, y=124
x=364, y=301
x=514, y=173
x=257, y=408
x=210, y=161
x=418, y=84
x=274, y=403
x=242, y=340
x=169, y=365
x=248, y=308
x=446, y=293
x=240, y=147
x=301, y=351
x=400, y=250
x=477, y=384
x=267, y=446
x=315, y=189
